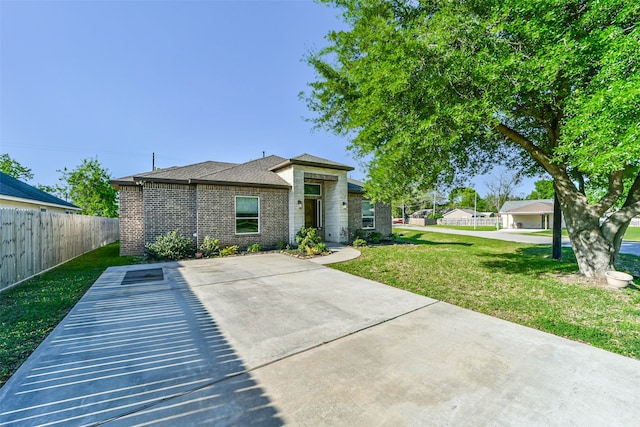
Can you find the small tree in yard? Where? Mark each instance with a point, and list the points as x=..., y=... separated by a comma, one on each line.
x=433, y=90
x=88, y=187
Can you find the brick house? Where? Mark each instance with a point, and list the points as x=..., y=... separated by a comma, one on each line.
x=263, y=201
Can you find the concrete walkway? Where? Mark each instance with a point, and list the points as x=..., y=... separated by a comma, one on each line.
x=521, y=236
x=272, y=340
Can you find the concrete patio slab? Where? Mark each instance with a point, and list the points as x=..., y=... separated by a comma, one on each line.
x=273, y=340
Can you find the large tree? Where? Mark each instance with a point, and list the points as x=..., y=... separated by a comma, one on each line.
x=433, y=89
x=88, y=187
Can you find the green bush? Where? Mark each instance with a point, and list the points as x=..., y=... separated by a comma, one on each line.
x=374, y=237
x=359, y=242
x=210, y=247
x=309, y=241
x=254, y=248
x=369, y=236
x=282, y=245
x=229, y=250
x=360, y=234
x=171, y=246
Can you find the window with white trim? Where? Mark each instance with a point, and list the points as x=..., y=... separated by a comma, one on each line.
x=311, y=189
x=247, y=215
x=368, y=214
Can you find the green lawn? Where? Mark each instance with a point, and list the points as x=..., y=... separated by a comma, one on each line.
x=632, y=234
x=31, y=310
x=512, y=281
x=467, y=227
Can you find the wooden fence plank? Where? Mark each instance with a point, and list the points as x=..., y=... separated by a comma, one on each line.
x=35, y=241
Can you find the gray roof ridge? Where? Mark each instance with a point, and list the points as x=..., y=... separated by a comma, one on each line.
x=13, y=187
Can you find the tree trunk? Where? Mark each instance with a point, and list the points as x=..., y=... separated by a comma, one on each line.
x=595, y=254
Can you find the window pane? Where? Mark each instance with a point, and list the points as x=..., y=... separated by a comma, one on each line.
x=312, y=189
x=247, y=215
x=246, y=225
x=368, y=214
x=246, y=206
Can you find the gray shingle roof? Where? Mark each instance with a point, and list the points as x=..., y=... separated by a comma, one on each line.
x=253, y=172
x=9, y=186
x=354, y=186
x=260, y=172
x=309, y=160
x=527, y=206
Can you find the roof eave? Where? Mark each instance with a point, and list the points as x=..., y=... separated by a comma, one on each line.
x=239, y=184
x=39, y=202
x=313, y=164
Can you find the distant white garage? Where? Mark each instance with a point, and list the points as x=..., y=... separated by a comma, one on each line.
x=531, y=214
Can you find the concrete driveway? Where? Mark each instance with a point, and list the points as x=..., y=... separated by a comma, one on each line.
x=271, y=340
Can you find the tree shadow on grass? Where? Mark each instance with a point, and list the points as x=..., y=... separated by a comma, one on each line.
x=532, y=260
x=417, y=238
x=538, y=260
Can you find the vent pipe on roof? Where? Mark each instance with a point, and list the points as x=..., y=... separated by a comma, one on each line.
x=263, y=154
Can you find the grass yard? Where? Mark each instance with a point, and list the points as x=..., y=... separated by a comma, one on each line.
x=31, y=310
x=632, y=234
x=513, y=281
x=466, y=227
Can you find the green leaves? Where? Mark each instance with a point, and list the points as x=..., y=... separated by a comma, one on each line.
x=89, y=188
x=14, y=169
x=429, y=82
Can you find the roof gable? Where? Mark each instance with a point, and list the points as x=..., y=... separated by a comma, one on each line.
x=11, y=187
x=309, y=160
x=527, y=206
x=469, y=212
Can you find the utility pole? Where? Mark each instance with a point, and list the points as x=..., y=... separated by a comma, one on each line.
x=475, y=208
x=434, y=202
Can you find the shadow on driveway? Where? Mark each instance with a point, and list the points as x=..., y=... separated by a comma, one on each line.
x=140, y=352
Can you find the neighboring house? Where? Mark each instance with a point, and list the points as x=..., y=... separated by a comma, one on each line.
x=264, y=201
x=536, y=214
x=465, y=214
x=19, y=195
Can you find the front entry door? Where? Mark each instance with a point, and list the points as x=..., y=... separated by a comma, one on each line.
x=311, y=213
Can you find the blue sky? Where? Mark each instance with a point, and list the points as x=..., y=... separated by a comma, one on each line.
x=188, y=80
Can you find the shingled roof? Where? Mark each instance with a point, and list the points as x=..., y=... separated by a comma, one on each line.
x=544, y=206
x=309, y=160
x=14, y=189
x=259, y=173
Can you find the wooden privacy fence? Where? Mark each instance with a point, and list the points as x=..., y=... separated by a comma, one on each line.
x=34, y=241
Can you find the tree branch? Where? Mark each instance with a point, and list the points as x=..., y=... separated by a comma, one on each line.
x=535, y=152
x=615, y=190
x=630, y=209
x=634, y=192
x=538, y=119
